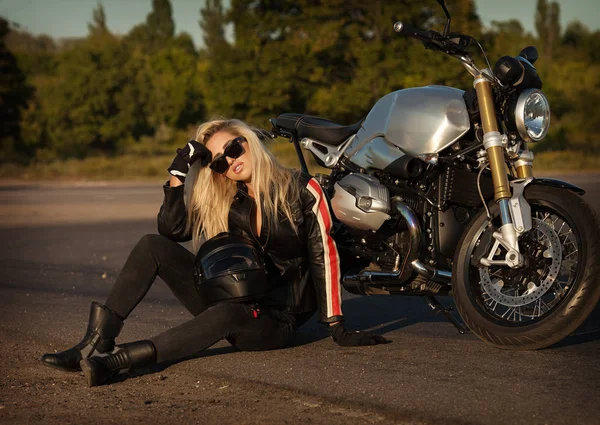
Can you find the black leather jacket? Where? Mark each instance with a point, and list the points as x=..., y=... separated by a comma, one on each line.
x=304, y=268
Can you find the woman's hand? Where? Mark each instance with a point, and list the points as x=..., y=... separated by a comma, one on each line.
x=186, y=156
x=346, y=338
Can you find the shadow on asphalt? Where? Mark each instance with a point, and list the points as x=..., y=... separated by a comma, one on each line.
x=384, y=314
x=589, y=331
x=578, y=338
x=380, y=314
x=150, y=370
x=367, y=313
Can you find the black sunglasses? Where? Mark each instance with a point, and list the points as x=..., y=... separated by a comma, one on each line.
x=233, y=149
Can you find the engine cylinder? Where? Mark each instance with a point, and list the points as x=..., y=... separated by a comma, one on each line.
x=361, y=202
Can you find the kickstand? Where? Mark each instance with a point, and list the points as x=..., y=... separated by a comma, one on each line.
x=437, y=307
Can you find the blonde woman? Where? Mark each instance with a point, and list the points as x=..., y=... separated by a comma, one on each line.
x=235, y=185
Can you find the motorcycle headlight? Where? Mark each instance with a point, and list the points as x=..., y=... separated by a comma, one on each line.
x=532, y=115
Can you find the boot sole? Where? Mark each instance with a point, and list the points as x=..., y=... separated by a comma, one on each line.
x=87, y=372
x=64, y=369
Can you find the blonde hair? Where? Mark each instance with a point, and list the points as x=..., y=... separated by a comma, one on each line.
x=209, y=195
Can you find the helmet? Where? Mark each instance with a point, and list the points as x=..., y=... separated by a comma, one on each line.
x=229, y=268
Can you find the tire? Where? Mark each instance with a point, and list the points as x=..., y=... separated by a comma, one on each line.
x=481, y=294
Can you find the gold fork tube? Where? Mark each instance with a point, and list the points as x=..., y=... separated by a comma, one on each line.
x=524, y=165
x=486, y=104
x=524, y=171
x=492, y=143
x=499, y=173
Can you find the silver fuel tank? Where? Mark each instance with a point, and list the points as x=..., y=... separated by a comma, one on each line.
x=414, y=121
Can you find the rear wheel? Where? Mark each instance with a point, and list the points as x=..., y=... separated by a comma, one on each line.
x=555, y=290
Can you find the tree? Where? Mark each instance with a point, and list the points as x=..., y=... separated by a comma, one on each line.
x=464, y=17
x=581, y=41
x=505, y=38
x=35, y=54
x=158, y=30
x=333, y=58
x=175, y=98
x=213, y=23
x=98, y=25
x=14, y=94
x=159, y=22
x=94, y=103
x=547, y=25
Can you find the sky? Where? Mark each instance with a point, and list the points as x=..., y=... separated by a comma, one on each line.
x=69, y=18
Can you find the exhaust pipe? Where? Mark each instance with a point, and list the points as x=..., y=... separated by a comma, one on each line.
x=362, y=283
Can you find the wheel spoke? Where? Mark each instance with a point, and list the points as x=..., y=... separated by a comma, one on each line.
x=566, y=235
x=559, y=289
x=546, y=215
x=513, y=314
x=491, y=303
x=539, y=303
x=571, y=253
x=535, y=289
x=561, y=227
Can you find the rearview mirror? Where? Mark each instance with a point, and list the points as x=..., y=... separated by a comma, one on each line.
x=530, y=53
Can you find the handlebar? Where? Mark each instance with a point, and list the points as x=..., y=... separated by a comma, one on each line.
x=431, y=39
x=410, y=31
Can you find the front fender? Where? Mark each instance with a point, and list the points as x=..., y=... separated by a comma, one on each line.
x=557, y=183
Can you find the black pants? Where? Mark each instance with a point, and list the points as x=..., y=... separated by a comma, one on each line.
x=155, y=255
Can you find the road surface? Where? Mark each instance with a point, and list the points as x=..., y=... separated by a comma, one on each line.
x=63, y=245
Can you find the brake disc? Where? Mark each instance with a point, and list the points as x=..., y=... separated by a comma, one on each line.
x=547, y=237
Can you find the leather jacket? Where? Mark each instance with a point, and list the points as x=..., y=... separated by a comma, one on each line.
x=303, y=267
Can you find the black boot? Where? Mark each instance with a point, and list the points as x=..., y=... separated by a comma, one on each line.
x=99, y=369
x=103, y=327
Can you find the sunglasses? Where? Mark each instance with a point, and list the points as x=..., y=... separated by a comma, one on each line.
x=233, y=149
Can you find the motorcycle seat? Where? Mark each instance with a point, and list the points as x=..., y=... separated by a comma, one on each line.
x=316, y=128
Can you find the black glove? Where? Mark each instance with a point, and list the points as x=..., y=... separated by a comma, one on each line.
x=347, y=338
x=186, y=156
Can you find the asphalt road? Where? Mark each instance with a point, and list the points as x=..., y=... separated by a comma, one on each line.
x=63, y=245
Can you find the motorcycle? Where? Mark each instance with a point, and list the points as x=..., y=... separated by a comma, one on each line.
x=434, y=194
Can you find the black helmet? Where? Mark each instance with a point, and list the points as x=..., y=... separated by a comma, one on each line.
x=230, y=268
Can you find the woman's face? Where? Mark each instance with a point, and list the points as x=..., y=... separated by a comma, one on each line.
x=240, y=169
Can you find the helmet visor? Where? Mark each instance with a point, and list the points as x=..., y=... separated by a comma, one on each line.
x=227, y=260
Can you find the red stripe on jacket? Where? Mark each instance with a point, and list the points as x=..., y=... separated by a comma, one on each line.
x=332, y=264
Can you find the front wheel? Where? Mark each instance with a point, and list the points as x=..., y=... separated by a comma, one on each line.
x=555, y=290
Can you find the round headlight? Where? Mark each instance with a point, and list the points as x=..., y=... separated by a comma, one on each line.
x=532, y=115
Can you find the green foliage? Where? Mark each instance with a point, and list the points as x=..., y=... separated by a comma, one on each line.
x=330, y=58
x=14, y=94
x=160, y=21
x=90, y=104
x=86, y=101
x=547, y=25
x=175, y=99
x=98, y=25
x=212, y=23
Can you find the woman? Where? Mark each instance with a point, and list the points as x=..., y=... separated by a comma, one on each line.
x=290, y=220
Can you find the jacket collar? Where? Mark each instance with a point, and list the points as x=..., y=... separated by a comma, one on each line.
x=242, y=189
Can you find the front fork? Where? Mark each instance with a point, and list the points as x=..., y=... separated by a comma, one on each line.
x=515, y=212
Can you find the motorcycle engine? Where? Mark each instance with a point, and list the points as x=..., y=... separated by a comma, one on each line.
x=361, y=202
